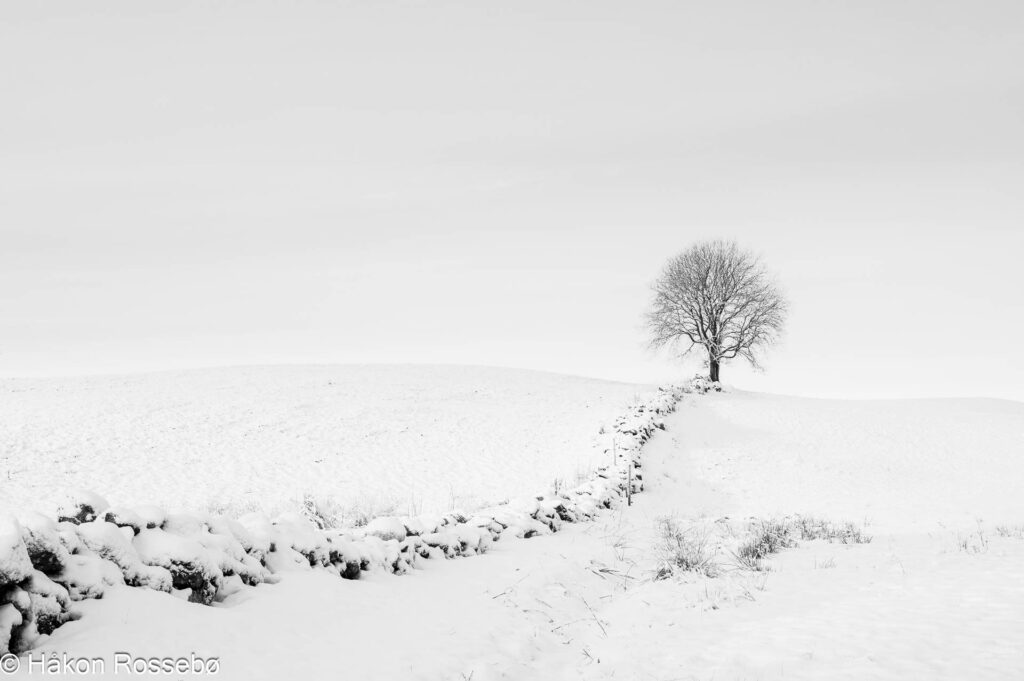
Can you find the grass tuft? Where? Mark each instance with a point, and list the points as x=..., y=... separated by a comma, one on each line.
x=1010, y=531
x=808, y=529
x=685, y=550
x=766, y=537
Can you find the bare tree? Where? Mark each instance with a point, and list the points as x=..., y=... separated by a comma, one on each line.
x=718, y=297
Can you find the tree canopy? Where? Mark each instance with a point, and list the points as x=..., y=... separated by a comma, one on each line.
x=718, y=297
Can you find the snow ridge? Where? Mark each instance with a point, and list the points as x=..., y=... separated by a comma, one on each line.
x=47, y=564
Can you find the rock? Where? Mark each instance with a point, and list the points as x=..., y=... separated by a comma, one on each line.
x=347, y=555
x=80, y=506
x=42, y=540
x=262, y=535
x=446, y=541
x=296, y=532
x=42, y=606
x=287, y=559
x=703, y=385
x=49, y=603
x=224, y=548
x=109, y=542
x=152, y=516
x=15, y=564
x=10, y=623
x=123, y=517
x=88, y=576
x=183, y=524
x=416, y=526
x=185, y=558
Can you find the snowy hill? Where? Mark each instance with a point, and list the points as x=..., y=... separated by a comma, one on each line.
x=934, y=595
x=897, y=464
x=934, y=484
x=360, y=438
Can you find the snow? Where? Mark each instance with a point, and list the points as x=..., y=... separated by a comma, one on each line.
x=374, y=439
x=201, y=557
x=387, y=527
x=936, y=594
x=926, y=476
x=899, y=464
x=898, y=608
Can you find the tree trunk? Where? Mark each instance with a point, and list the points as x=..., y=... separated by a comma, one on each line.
x=713, y=375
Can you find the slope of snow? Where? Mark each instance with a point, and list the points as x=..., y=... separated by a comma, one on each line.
x=897, y=464
x=412, y=439
x=936, y=594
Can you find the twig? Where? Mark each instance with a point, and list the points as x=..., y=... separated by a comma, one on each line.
x=511, y=587
x=594, y=614
x=582, y=619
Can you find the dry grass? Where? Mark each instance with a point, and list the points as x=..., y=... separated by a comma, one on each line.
x=1010, y=531
x=326, y=513
x=685, y=550
x=696, y=549
x=972, y=542
x=808, y=528
x=234, y=509
x=766, y=537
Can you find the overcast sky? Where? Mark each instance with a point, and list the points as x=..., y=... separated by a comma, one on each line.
x=202, y=183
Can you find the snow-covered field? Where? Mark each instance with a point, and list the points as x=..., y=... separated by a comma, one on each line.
x=898, y=464
x=937, y=594
x=407, y=439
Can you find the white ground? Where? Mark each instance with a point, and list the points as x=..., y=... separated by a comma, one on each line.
x=930, y=477
x=420, y=439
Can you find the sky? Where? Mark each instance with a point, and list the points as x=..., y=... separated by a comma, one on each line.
x=190, y=184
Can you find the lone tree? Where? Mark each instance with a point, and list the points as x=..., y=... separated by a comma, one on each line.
x=718, y=297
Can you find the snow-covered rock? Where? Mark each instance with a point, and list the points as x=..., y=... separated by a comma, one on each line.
x=42, y=606
x=14, y=560
x=42, y=540
x=113, y=543
x=260, y=533
x=350, y=557
x=297, y=533
x=10, y=621
x=702, y=385
x=126, y=517
x=80, y=506
x=88, y=576
x=152, y=516
x=185, y=558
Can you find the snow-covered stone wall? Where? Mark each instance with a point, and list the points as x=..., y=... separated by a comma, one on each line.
x=48, y=563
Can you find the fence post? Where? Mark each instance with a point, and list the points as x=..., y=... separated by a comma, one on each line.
x=629, y=484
